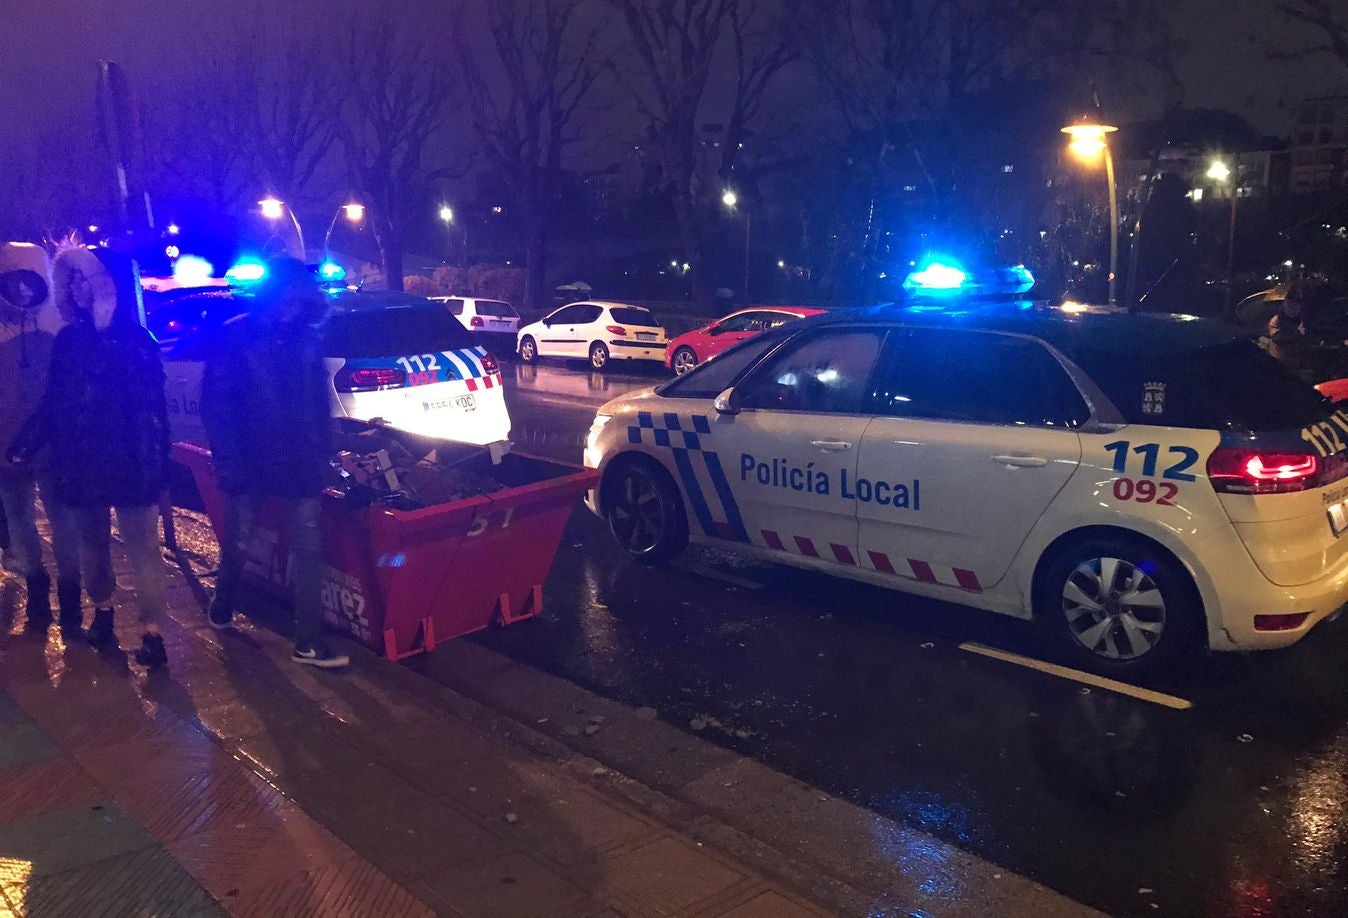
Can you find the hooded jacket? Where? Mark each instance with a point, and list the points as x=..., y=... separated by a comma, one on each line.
x=25, y=347
x=104, y=414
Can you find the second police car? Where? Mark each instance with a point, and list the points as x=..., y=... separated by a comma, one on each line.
x=1141, y=485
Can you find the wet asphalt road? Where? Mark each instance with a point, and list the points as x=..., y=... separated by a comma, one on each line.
x=1238, y=806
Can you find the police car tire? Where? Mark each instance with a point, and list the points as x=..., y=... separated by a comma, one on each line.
x=599, y=355
x=674, y=535
x=1183, y=607
x=528, y=354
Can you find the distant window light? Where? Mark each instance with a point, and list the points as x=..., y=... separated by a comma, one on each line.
x=1196, y=194
x=910, y=188
x=1008, y=168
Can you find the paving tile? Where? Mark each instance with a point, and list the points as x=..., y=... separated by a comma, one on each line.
x=142, y=883
x=334, y=792
x=769, y=904
x=666, y=876
x=352, y=888
x=510, y=886
x=171, y=811
x=305, y=747
x=41, y=787
x=576, y=826
x=135, y=765
x=66, y=839
x=24, y=741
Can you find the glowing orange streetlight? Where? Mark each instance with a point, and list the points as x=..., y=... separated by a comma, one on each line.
x=1088, y=141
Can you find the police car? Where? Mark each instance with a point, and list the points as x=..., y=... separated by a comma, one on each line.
x=1141, y=485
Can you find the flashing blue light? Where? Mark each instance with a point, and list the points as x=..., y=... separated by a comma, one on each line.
x=247, y=272
x=935, y=277
x=192, y=271
x=331, y=271
x=1022, y=278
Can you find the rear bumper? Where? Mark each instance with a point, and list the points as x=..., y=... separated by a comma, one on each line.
x=1244, y=592
x=638, y=350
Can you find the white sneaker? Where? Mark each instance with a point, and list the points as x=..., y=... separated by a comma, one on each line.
x=320, y=655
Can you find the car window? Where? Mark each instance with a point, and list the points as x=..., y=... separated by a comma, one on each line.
x=774, y=319
x=740, y=323
x=715, y=376
x=587, y=313
x=498, y=308
x=823, y=372
x=393, y=332
x=1231, y=385
x=980, y=377
x=631, y=315
x=567, y=315
x=453, y=304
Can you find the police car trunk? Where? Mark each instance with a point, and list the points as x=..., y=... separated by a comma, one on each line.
x=417, y=369
x=1279, y=468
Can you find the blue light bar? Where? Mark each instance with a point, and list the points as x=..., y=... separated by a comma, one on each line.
x=935, y=277
x=192, y=271
x=247, y=271
x=331, y=271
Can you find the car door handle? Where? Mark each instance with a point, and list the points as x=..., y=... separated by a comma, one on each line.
x=1023, y=462
x=832, y=446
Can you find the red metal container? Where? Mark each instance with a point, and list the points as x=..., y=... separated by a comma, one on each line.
x=401, y=581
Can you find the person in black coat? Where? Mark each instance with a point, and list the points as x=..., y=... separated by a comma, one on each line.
x=264, y=402
x=104, y=418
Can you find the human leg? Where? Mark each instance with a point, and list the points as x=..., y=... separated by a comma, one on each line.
x=306, y=546
x=240, y=512
x=95, y=528
x=65, y=544
x=18, y=494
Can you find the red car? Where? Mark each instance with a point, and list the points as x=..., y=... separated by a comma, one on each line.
x=702, y=344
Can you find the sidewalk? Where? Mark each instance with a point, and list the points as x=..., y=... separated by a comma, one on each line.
x=239, y=783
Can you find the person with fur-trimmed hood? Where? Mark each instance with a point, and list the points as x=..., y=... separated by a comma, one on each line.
x=105, y=418
x=26, y=318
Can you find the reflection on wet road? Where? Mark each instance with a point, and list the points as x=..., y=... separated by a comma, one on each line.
x=1238, y=806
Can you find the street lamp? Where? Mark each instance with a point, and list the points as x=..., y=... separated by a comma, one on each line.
x=273, y=208
x=354, y=212
x=731, y=201
x=1219, y=171
x=447, y=217
x=1088, y=141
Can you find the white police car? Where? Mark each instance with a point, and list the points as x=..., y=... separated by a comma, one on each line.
x=1142, y=485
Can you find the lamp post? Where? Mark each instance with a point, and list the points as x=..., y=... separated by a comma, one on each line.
x=731, y=202
x=1088, y=141
x=273, y=209
x=447, y=217
x=1219, y=171
x=354, y=213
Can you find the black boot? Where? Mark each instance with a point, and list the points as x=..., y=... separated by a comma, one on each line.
x=152, y=654
x=39, y=602
x=102, y=634
x=71, y=603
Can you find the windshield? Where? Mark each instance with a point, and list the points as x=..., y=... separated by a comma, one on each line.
x=633, y=315
x=1234, y=385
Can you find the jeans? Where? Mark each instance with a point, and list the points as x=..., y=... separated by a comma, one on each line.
x=139, y=529
x=18, y=494
x=302, y=521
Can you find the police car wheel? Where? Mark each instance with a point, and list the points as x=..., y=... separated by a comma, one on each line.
x=645, y=513
x=528, y=350
x=1119, y=605
x=598, y=356
x=684, y=360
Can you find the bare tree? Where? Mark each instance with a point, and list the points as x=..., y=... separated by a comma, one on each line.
x=398, y=95
x=1327, y=19
x=547, y=64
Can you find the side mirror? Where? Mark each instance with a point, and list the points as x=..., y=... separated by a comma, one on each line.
x=726, y=403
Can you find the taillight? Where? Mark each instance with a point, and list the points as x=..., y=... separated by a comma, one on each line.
x=616, y=330
x=368, y=379
x=476, y=322
x=1246, y=471
x=490, y=364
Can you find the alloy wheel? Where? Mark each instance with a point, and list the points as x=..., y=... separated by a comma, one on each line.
x=637, y=513
x=684, y=360
x=1114, y=608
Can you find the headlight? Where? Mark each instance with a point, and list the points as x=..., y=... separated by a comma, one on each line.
x=592, y=440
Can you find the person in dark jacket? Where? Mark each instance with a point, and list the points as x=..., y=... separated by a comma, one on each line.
x=264, y=402
x=25, y=356
x=104, y=417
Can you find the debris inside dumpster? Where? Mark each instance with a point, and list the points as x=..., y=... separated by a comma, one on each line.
x=384, y=467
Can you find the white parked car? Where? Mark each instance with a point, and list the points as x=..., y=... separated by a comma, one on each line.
x=482, y=315
x=1140, y=485
x=389, y=356
x=598, y=331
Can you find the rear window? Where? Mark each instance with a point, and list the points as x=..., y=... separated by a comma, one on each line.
x=393, y=332
x=631, y=315
x=496, y=308
x=1233, y=385
x=455, y=306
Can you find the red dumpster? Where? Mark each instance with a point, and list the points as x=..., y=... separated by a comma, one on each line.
x=399, y=581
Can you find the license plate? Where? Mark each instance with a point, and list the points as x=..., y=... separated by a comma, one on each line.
x=465, y=402
x=646, y=336
x=1338, y=518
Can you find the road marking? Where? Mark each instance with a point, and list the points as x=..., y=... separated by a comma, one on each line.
x=1063, y=672
x=703, y=570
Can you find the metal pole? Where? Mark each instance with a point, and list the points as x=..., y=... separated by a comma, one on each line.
x=1113, y=228
x=299, y=233
x=1231, y=243
x=327, y=237
x=748, y=223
